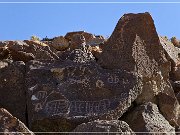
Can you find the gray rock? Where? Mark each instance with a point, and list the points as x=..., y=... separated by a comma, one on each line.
x=103, y=127
x=147, y=118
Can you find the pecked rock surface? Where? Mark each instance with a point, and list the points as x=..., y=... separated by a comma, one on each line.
x=104, y=127
x=11, y=125
x=76, y=90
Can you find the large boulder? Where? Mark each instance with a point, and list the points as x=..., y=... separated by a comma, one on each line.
x=78, y=91
x=10, y=125
x=135, y=46
x=147, y=118
x=104, y=127
x=12, y=88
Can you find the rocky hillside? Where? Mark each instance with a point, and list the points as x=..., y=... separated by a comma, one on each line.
x=128, y=83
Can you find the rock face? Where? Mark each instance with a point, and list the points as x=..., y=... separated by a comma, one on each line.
x=104, y=127
x=147, y=118
x=134, y=48
x=11, y=125
x=139, y=49
x=73, y=90
x=12, y=88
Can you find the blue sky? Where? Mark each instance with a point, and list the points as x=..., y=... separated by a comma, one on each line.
x=20, y=21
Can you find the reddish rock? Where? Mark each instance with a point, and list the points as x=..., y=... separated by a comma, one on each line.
x=10, y=125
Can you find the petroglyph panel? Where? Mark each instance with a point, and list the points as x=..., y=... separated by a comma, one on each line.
x=84, y=90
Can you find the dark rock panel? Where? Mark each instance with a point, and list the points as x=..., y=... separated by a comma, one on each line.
x=12, y=88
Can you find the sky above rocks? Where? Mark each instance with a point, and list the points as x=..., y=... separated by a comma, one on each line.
x=20, y=21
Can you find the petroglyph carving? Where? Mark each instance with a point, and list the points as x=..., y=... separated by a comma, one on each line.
x=90, y=106
x=38, y=107
x=57, y=107
x=113, y=79
x=41, y=94
x=99, y=83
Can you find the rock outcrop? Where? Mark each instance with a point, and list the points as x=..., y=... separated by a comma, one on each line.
x=55, y=85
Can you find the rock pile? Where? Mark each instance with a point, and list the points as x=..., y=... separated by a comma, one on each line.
x=80, y=82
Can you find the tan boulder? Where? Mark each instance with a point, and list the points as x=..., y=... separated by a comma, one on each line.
x=87, y=36
x=60, y=43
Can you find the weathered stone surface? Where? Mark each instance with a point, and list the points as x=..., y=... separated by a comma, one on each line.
x=175, y=41
x=175, y=73
x=178, y=97
x=12, y=88
x=4, y=53
x=134, y=46
x=104, y=127
x=87, y=36
x=170, y=108
x=60, y=43
x=96, y=51
x=77, y=41
x=172, y=52
x=28, y=50
x=73, y=90
x=176, y=86
x=147, y=118
x=96, y=41
x=10, y=125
